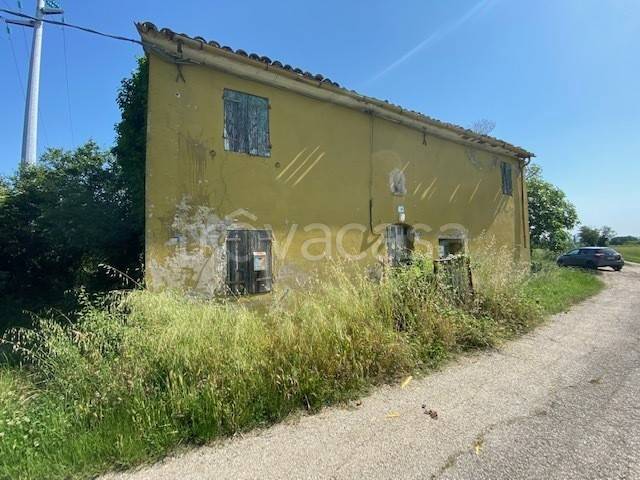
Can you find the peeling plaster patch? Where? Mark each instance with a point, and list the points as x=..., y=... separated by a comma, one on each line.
x=398, y=182
x=453, y=231
x=197, y=255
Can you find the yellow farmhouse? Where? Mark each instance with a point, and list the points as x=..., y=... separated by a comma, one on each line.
x=257, y=172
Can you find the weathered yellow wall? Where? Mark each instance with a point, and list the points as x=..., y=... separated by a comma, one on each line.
x=325, y=160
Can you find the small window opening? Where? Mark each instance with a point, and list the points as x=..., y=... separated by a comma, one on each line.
x=507, y=178
x=249, y=262
x=399, y=239
x=246, y=124
x=450, y=246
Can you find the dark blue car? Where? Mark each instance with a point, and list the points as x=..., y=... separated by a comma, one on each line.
x=592, y=257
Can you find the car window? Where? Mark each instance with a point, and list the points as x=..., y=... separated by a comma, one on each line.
x=573, y=252
x=610, y=251
x=586, y=251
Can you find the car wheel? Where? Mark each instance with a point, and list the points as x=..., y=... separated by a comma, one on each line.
x=560, y=263
x=617, y=269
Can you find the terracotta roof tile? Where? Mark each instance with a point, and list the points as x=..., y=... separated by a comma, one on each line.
x=463, y=132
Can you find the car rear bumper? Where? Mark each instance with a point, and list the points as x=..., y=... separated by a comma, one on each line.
x=611, y=263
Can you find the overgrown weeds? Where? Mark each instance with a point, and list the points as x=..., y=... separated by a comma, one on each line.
x=143, y=372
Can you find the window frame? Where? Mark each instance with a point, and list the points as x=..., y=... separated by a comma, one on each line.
x=237, y=137
x=506, y=175
x=399, y=243
x=242, y=247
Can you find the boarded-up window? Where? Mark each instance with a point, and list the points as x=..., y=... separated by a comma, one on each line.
x=507, y=178
x=249, y=261
x=399, y=239
x=246, y=124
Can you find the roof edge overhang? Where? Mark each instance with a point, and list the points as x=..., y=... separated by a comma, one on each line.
x=181, y=49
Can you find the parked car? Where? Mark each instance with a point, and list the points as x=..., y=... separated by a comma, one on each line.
x=592, y=257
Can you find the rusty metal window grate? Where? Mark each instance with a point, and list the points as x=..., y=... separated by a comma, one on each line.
x=246, y=124
x=507, y=178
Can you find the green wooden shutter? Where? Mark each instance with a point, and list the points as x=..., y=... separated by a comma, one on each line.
x=246, y=123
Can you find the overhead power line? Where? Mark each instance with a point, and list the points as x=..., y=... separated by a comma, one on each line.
x=77, y=27
x=15, y=61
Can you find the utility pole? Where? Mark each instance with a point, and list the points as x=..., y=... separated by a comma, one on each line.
x=30, y=133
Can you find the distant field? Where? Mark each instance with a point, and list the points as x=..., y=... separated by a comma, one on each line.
x=629, y=252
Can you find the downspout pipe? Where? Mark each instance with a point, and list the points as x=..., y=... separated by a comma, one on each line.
x=524, y=165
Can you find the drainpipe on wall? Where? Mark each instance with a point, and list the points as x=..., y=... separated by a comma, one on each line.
x=525, y=210
x=370, y=171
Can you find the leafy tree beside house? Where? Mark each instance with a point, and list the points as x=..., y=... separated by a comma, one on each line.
x=75, y=210
x=60, y=220
x=131, y=141
x=551, y=215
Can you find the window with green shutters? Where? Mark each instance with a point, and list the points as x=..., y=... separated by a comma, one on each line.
x=507, y=178
x=246, y=124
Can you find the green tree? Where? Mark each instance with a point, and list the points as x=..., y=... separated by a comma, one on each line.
x=551, y=215
x=75, y=210
x=130, y=148
x=62, y=218
x=589, y=236
x=606, y=234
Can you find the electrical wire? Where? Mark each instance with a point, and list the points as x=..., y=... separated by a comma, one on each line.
x=66, y=77
x=78, y=27
x=15, y=62
x=24, y=35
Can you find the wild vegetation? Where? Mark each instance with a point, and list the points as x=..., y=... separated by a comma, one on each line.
x=630, y=252
x=139, y=373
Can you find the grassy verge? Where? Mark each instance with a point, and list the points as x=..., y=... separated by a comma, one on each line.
x=143, y=373
x=629, y=252
x=556, y=289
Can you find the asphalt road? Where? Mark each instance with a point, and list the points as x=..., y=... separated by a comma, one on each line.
x=562, y=402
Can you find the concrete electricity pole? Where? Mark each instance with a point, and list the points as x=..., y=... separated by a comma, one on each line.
x=30, y=134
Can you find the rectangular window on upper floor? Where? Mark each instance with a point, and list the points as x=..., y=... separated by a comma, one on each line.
x=507, y=178
x=246, y=124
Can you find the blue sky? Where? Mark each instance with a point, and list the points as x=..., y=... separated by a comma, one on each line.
x=559, y=77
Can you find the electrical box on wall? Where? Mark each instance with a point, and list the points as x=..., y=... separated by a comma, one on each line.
x=249, y=262
x=259, y=261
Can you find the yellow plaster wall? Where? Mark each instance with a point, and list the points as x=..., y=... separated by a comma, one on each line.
x=326, y=162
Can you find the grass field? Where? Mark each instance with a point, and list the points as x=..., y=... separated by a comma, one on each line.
x=630, y=253
x=143, y=373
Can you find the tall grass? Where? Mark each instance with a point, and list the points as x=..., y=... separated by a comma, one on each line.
x=141, y=373
x=630, y=252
